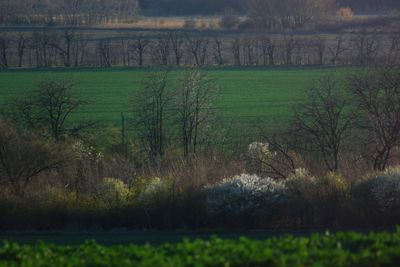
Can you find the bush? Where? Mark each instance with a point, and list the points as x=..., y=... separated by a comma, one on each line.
x=317, y=201
x=153, y=190
x=112, y=193
x=386, y=191
x=244, y=195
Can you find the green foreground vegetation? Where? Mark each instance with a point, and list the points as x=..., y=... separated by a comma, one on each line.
x=247, y=95
x=341, y=249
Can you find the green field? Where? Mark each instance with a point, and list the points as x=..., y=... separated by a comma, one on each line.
x=339, y=250
x=248, y=96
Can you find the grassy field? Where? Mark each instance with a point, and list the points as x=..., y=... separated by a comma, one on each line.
x=248, y=96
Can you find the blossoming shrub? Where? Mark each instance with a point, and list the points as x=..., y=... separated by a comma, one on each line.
x=245, y=195
x=386, y=190
x=112, y=193
x=152, y=190
x=377, y=197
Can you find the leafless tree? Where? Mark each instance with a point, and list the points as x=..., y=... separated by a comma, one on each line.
x=5, y=42
x=105, y=52
x=323, y=121
x=50, y=107
x=338, y=49
x=289, y=44
x=150, y=105
x=163, y=49
x=139, y=48
x=22, y=43
x=217, y=47
x=376, y=94
x=195, y=103
x=24, y=157
x=79, y=50
x=367, y=47
x=235, y=48
x=249, y=51
x=268, y=48
x=64, y=45
x=198, y=48
x=320, y=45
x=177, y=42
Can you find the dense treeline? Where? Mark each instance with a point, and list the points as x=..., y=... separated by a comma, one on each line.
x=69, y=12
x=187, y=7
x=73, y=12
x=72, y=48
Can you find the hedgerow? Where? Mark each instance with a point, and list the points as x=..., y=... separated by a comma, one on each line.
x=339, y=250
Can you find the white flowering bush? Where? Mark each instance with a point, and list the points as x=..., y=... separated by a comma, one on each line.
x=244, y=194
x=85, y=152
x=386, y=190
x=153, y=189
x=258, y=153
x=112, y=193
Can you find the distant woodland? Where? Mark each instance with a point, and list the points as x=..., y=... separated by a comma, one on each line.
x=74, y=12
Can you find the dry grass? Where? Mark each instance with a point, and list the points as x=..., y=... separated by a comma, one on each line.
x=168, y=23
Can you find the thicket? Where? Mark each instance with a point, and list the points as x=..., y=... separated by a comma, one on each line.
x=339, y=250
x=330, y=168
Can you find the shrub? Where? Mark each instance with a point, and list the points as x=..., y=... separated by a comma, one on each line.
x=112, y=193
x=243, y=195
x=317, y=201
x=386, y=191
x=152, y=190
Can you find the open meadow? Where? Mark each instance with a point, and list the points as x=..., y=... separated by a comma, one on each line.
x=248, y=97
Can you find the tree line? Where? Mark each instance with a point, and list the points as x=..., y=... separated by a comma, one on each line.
x=286, y=13
x=206, y=7
x=66, y=12
x=71, y=48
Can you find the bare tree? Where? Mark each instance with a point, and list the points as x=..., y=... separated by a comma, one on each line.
x=235, y=48
x=64, y=46
x=4, y=46
x=79, y=50
x=197, y=47
x=150, y=105
x=249, y=51
x=367, y=47
x=323, y=121
x=196, y=96
x=139, y=48
x=268, y=48
x=217, y=47
x=105, y=52
x=24, y=157
x=22, y=43
x=320, y=45
x=289, y=44
x=338, y=49
x=376, y=95
x=163, y=49
x=177, y=42
x=50, y=108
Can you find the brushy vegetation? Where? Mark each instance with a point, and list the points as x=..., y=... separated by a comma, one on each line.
x=339, y=250
x=241, y=202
